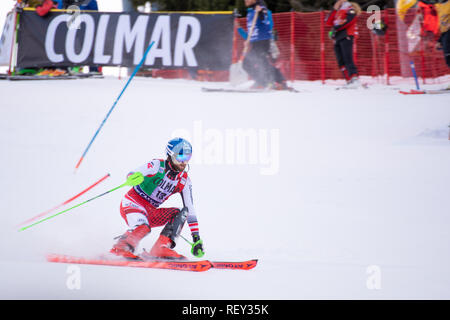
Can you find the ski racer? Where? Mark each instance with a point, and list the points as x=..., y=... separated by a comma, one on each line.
x=140, y=207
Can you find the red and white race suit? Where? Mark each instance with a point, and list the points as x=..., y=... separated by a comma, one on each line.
x=141, y=204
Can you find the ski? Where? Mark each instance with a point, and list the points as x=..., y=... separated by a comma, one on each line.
x=242, y=265
x=237, y=265
x=363, y=86
x=245, y=90
x=35, y=77
x=184, y=265
x=197, y=266
x=442, y=91
x=91, y=75
x=437, y=91
x=411, y=92
x=233, y=90
x=62, y=77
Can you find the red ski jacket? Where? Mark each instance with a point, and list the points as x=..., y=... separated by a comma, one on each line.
x=45, y=7
x=343, y=21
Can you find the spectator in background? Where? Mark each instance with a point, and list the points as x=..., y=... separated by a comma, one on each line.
x=343, y=19
x=443, y=12
x=435, y=25
x=91, y=5
x=44, y=8
x=82, y=4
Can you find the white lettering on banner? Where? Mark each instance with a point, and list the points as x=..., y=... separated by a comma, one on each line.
x=127, y=36
x=99, y=55
x=87, y=43
x=161, y=37
x=184, y=48
x=124, y=33
x=50, y=38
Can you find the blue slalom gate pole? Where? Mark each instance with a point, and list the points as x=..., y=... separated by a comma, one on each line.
x=413, y=68
x=115, y=103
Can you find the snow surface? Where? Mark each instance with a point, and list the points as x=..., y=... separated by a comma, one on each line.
x=356, y=205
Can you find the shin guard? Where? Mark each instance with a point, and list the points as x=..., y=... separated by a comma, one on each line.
x=174, y=226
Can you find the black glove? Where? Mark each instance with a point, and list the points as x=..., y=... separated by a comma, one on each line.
x=197, y=246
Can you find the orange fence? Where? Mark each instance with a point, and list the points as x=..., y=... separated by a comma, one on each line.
x=306, y=52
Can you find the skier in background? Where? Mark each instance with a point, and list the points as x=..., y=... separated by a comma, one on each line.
x=343, y=19
x=257, y=62
x=140, y=206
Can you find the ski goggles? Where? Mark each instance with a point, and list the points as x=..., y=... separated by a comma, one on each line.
x=181, y=158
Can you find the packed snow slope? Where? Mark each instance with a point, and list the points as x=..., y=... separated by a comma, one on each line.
x=339, y=194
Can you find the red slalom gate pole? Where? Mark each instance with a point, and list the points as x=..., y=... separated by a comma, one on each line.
x=322, y=47
x=65, y=202
x=292, y=46
x=386, y=48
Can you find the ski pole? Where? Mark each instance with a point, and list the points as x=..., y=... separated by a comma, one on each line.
x=65, y=202
x=133, y=180
x=115, y=103
x=186, y=240
x=201, y=253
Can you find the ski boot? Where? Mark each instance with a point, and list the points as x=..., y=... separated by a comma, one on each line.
x=258, y=86
x=283, y=86
x=163, y=247
x=354, y=83
x=128, y=242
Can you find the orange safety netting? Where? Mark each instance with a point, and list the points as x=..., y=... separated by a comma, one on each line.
x=306, y=52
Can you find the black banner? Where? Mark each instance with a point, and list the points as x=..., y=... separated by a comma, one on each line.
x=182, y=40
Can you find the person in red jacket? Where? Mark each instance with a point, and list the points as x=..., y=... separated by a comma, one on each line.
x=45, y=7
x=343, y=19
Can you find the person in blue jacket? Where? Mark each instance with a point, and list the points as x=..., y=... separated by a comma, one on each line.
x=82, y=4
x=91, y=5
x=257, y=62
